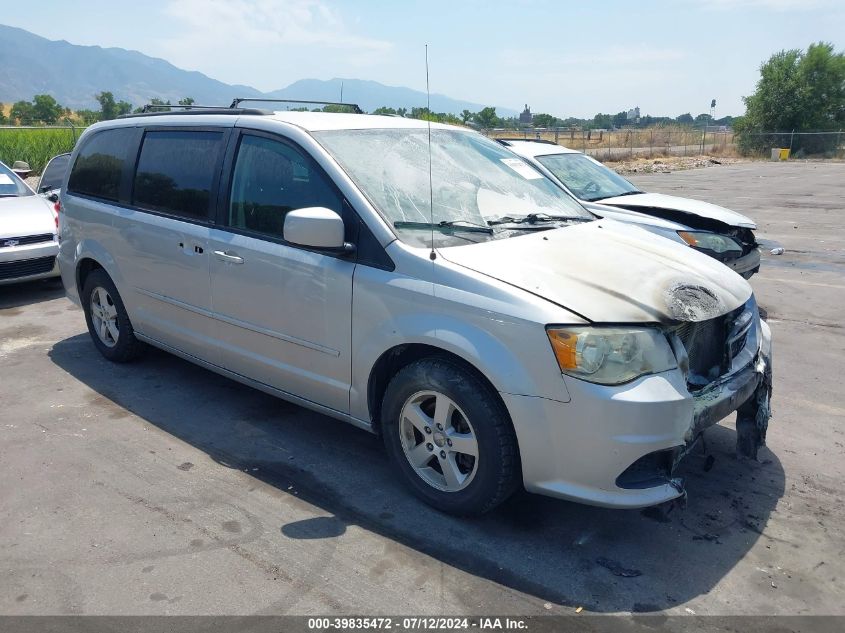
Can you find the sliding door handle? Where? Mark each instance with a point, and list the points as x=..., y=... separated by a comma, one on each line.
x=229, y=257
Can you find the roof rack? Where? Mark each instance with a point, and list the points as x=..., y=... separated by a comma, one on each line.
x=192, y=110
x=505, y=141
x=236, y=102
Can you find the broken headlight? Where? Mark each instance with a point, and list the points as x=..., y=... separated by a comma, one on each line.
x=710, y=242
x=610, y=355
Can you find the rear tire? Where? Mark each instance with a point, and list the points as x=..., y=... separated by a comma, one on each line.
x=450, y=436
x=107, y=319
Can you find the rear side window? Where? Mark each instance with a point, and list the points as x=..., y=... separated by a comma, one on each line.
x=176, y=172
x=99, y=164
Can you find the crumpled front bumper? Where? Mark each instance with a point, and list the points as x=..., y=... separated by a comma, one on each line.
x=616, y=446
x=748, y=391
x=746, y=265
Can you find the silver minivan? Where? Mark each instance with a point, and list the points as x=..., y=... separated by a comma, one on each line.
x=423, y=283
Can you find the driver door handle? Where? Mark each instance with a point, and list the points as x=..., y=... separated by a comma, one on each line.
x=229, y=257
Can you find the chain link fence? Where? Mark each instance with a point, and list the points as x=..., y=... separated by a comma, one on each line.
x=632, y=143
x=800, y=144
x=614, y=145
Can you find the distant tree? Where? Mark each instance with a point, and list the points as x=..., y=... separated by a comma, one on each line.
x=46, y=109
x=186, y=101
x=3, y=118
x=603, y=121
x=111, y=109
x=466, y=115
x=337, y=108
x=487, y=118
x=21, y=112
x=88, y=117
x=703, y=119
x=384, y=110
x=685, y=119
x=401, y=111
x=620, y=119
x=797, y=90
x=546, y=120
x=155, y=101
x=448, y=117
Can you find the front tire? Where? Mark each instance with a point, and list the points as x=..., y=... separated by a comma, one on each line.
x=450, y=436
x=107, y=319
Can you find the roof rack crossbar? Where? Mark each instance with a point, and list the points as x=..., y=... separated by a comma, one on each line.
x=197, y=111
x=236, y=102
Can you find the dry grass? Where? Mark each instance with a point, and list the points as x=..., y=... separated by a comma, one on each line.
x=654, y=138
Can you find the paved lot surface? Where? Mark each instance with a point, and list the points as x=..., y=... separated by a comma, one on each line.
x=159, y=487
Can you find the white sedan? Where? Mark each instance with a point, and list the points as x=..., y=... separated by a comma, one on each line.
x=28, y=232
x=721, y=233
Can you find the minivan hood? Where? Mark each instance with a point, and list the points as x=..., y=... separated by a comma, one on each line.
x=25, y=215
x=643, y=201
x=610, y=272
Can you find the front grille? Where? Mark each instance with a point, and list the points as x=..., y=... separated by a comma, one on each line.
x=26, y=267
x=6, y=242
x=711, y=345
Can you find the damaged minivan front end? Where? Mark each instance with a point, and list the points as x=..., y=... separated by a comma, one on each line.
x=672, y=345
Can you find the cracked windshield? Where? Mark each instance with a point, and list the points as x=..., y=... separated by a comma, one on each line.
x=474, y=182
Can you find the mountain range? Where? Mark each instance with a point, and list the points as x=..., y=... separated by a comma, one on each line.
x=72, y=74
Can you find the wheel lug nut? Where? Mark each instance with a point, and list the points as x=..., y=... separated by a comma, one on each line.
x=439, y=426
x=449, y=442
x=443, y=454
x=429, y=447
x=428, y=429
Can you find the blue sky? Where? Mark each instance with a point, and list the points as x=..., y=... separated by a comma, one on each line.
x=563, y=57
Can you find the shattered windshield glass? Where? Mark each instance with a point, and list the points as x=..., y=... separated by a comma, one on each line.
x=474, y=181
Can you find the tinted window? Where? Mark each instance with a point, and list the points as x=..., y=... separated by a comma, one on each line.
x=99, y=164
x=176, y=171
x=54, y=174
x=270, y=179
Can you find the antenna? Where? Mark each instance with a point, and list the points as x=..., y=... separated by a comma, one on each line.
x=432, y=256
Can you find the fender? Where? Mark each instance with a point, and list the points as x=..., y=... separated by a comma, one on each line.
x=513, y=354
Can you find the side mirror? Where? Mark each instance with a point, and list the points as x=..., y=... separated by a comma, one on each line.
x=316, y=227
x=53, y=197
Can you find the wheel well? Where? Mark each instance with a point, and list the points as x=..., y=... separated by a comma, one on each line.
x=83, y=269
x=400, y=356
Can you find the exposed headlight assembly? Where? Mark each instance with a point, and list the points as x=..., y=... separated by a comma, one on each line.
x=710, y=241
x=610, y=355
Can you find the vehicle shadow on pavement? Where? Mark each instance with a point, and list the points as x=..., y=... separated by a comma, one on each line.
x=14, y=296
x=560, y=552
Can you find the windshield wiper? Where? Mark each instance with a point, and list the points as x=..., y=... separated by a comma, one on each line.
x=452, y=225
x=619, y=195
x=535, y=218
